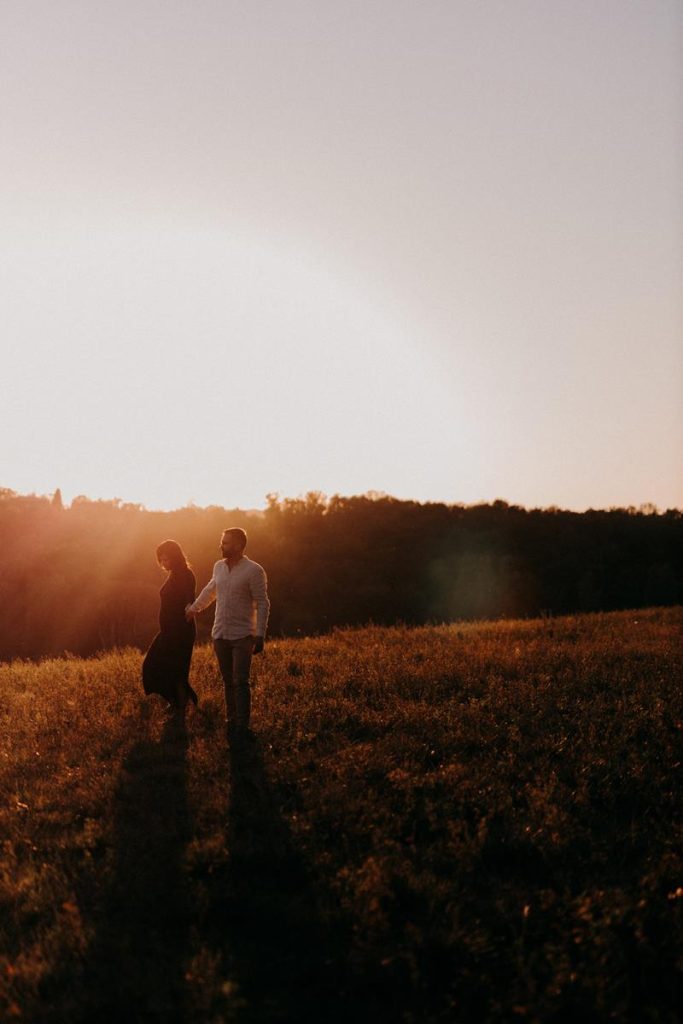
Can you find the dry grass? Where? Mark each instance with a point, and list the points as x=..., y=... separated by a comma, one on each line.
x=458, y=823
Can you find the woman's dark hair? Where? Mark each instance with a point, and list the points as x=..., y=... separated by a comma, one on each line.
x=172, y=550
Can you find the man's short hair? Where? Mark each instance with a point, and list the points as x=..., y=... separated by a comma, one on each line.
x=238, y=533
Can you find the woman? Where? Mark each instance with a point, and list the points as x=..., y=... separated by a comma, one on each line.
x=166, y=667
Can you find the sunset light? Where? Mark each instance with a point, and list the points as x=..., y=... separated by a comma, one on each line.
x=197, y=366
x=341, y=511
x=432, y=251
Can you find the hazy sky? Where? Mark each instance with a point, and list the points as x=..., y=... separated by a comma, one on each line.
x=428, y=248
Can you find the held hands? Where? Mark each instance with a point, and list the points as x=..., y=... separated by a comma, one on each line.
x=189, y=615
x=258, y=645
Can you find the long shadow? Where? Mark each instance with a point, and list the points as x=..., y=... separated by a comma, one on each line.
x=287, y=961
x=135, y=966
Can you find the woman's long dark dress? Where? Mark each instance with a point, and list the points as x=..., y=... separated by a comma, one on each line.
x=166, y=667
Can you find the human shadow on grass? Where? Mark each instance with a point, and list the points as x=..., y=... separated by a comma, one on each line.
x=284, y=949
x=135, y=966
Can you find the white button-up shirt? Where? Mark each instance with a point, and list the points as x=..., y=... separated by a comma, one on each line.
x=241, y=597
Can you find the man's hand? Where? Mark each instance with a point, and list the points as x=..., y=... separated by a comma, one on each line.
x=189, y=615
x=258, y=644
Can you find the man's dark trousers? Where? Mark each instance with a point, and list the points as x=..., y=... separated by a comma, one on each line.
x=234, y=660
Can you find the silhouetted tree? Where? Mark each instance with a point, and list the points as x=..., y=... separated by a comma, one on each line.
x=86, y=577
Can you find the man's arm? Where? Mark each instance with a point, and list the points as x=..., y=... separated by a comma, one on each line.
x=204, y=599
x=258, y=585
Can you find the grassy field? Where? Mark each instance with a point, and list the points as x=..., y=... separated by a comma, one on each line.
x=465, y=823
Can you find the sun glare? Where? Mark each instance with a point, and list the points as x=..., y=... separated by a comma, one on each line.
x=178, y=365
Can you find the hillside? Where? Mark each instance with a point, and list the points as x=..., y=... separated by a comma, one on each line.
x=476, y=822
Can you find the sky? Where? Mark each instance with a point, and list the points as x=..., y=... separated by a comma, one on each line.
x=429, y=248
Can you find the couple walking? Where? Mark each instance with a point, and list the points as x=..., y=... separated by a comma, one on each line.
x=239, y=587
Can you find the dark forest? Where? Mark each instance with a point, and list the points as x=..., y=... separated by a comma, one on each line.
x=85, y=578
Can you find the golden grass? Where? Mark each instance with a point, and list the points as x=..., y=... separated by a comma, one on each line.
x=464, y=823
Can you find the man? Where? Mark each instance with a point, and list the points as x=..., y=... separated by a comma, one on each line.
x=239, y=588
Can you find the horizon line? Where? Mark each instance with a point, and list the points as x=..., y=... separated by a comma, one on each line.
x=646, y=508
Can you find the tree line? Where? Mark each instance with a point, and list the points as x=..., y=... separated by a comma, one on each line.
x=84, y=578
